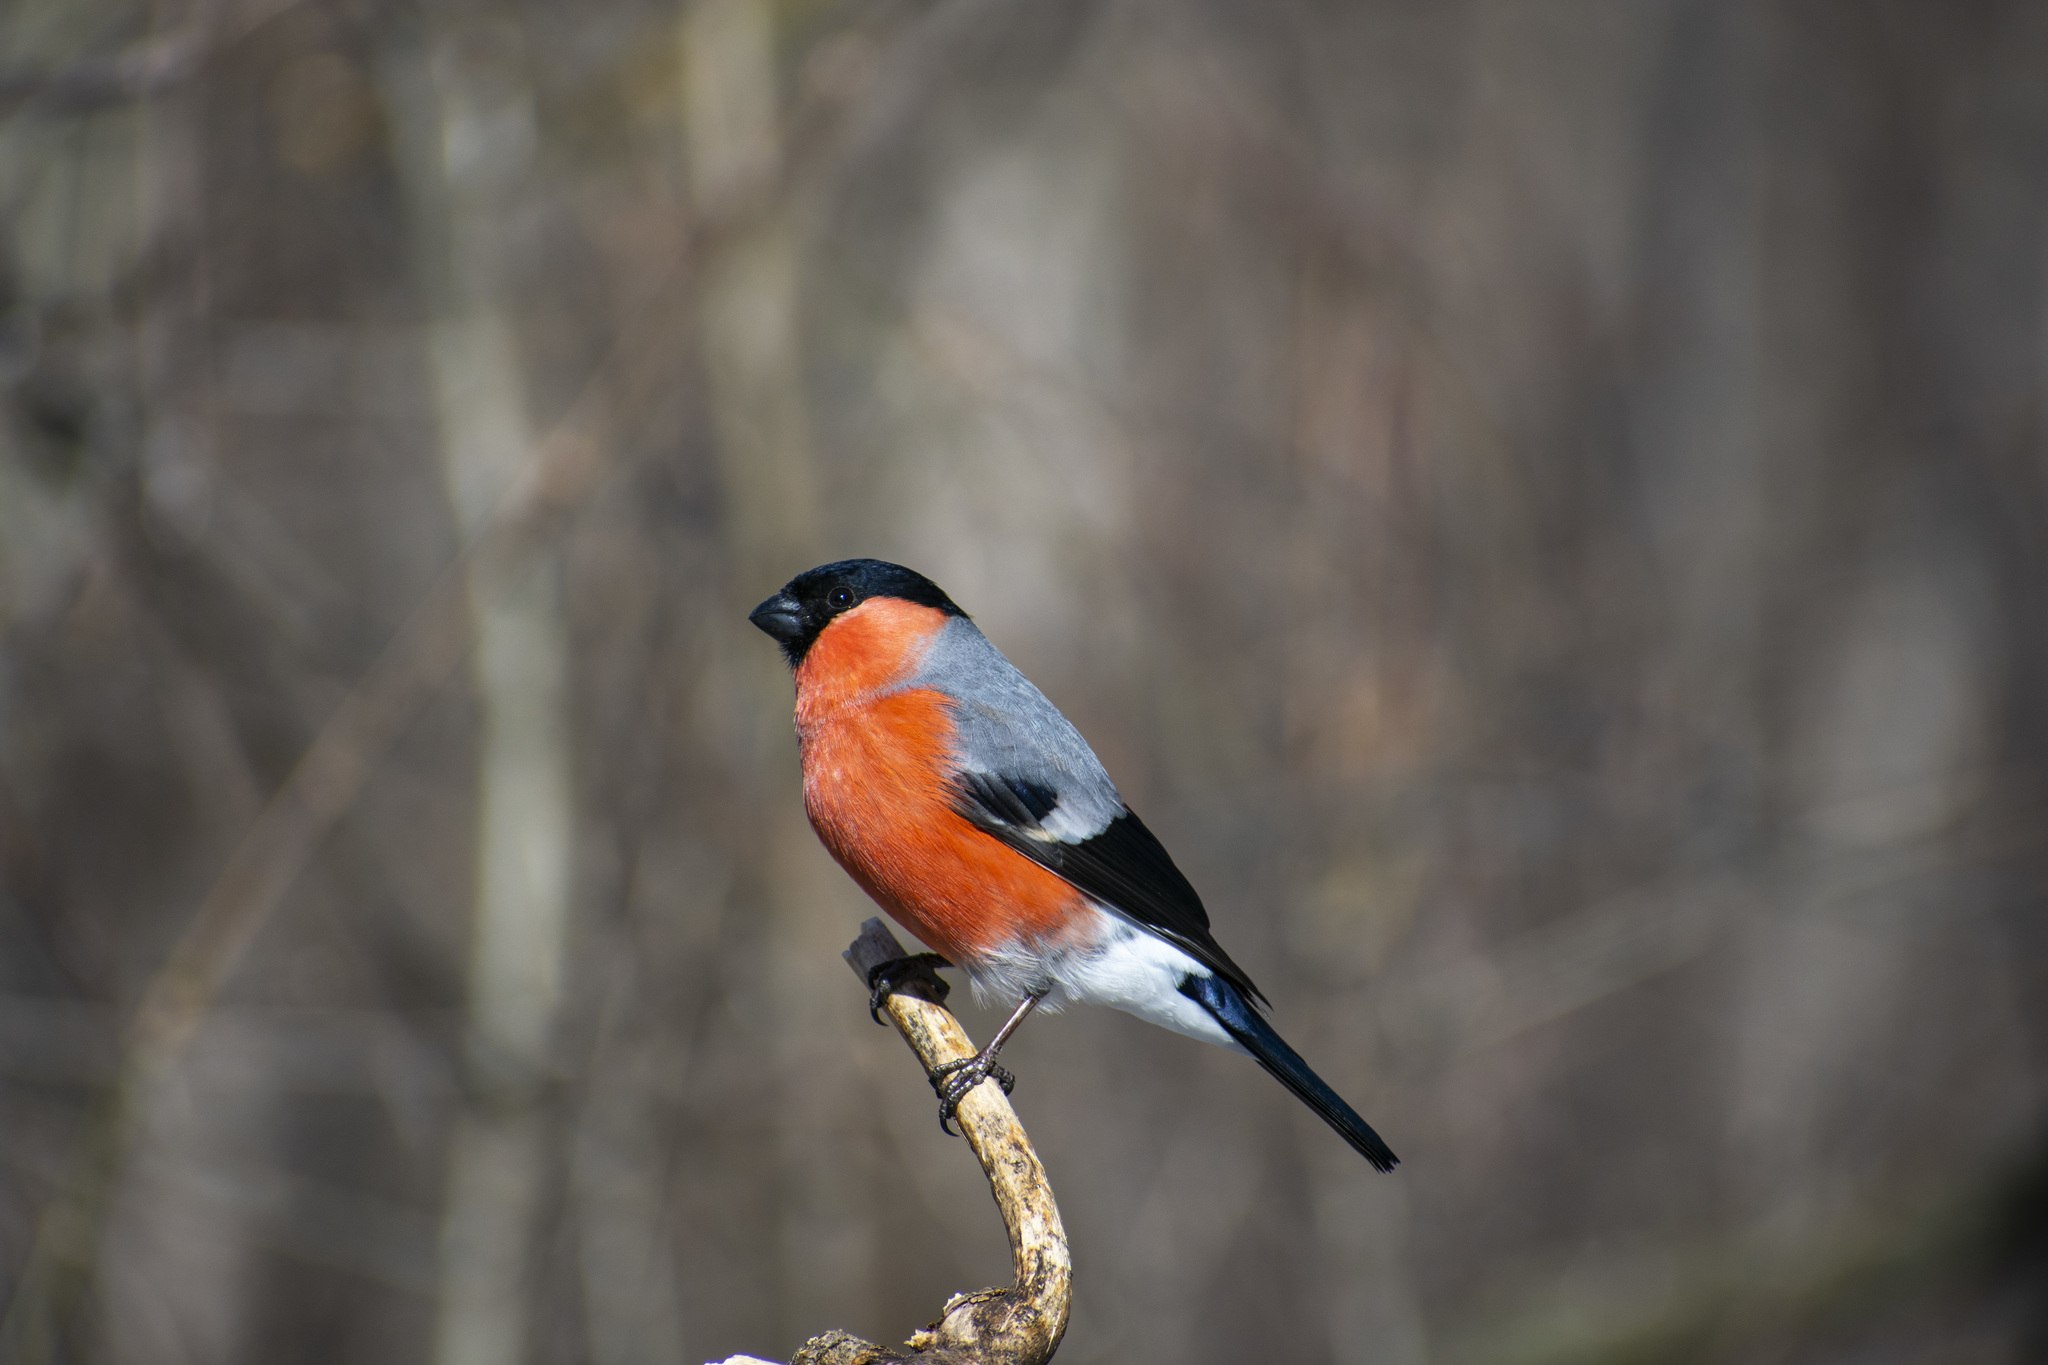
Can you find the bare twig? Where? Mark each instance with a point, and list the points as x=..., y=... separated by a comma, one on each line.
x=151, y=67
x=1017, y=1326
x=139, y=73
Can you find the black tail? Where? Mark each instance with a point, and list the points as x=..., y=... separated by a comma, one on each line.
x=1270, y=1050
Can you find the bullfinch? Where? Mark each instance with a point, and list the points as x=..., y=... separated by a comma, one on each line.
x=974, y=813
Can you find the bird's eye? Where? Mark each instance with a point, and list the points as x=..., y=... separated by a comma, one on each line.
x=840, y=599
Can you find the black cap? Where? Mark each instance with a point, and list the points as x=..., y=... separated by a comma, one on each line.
x=808, y=602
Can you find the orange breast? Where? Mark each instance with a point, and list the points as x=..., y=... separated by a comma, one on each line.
x=878, y=786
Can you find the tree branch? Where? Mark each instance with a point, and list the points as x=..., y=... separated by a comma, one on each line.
x=1016, y=1326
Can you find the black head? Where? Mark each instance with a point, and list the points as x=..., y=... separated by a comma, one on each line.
x=808, y=602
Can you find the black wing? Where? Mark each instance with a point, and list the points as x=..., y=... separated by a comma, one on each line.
x=1123, y=866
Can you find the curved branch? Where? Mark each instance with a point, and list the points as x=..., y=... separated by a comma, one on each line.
x=1021, y=1325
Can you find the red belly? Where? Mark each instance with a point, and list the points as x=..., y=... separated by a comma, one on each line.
x=878, y=788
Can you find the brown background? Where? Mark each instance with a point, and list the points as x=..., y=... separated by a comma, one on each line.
x=1541, y=505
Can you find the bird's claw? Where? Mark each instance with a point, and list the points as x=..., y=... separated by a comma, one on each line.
x=953, y=1080
x=886, y=978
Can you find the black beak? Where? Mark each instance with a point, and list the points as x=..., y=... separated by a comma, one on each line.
x=780, y=617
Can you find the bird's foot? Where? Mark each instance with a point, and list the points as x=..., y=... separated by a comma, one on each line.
x=953, y=1080
x=886, y=978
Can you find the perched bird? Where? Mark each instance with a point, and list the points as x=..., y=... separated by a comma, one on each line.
x=972, y=811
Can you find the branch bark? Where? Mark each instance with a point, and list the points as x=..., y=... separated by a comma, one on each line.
x=1021, y=1325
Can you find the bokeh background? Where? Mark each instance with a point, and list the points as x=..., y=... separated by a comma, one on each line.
x=1541, y=505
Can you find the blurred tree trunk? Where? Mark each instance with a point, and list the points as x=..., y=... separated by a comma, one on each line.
x=467, y=98
x=748, y=270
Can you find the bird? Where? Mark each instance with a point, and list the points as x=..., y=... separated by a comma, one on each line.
x=970, y=809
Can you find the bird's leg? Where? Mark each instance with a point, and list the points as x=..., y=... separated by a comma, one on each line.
x=953, y=1080
x=886, y=978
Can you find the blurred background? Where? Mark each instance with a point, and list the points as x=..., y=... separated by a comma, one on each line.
x=1541, y=506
